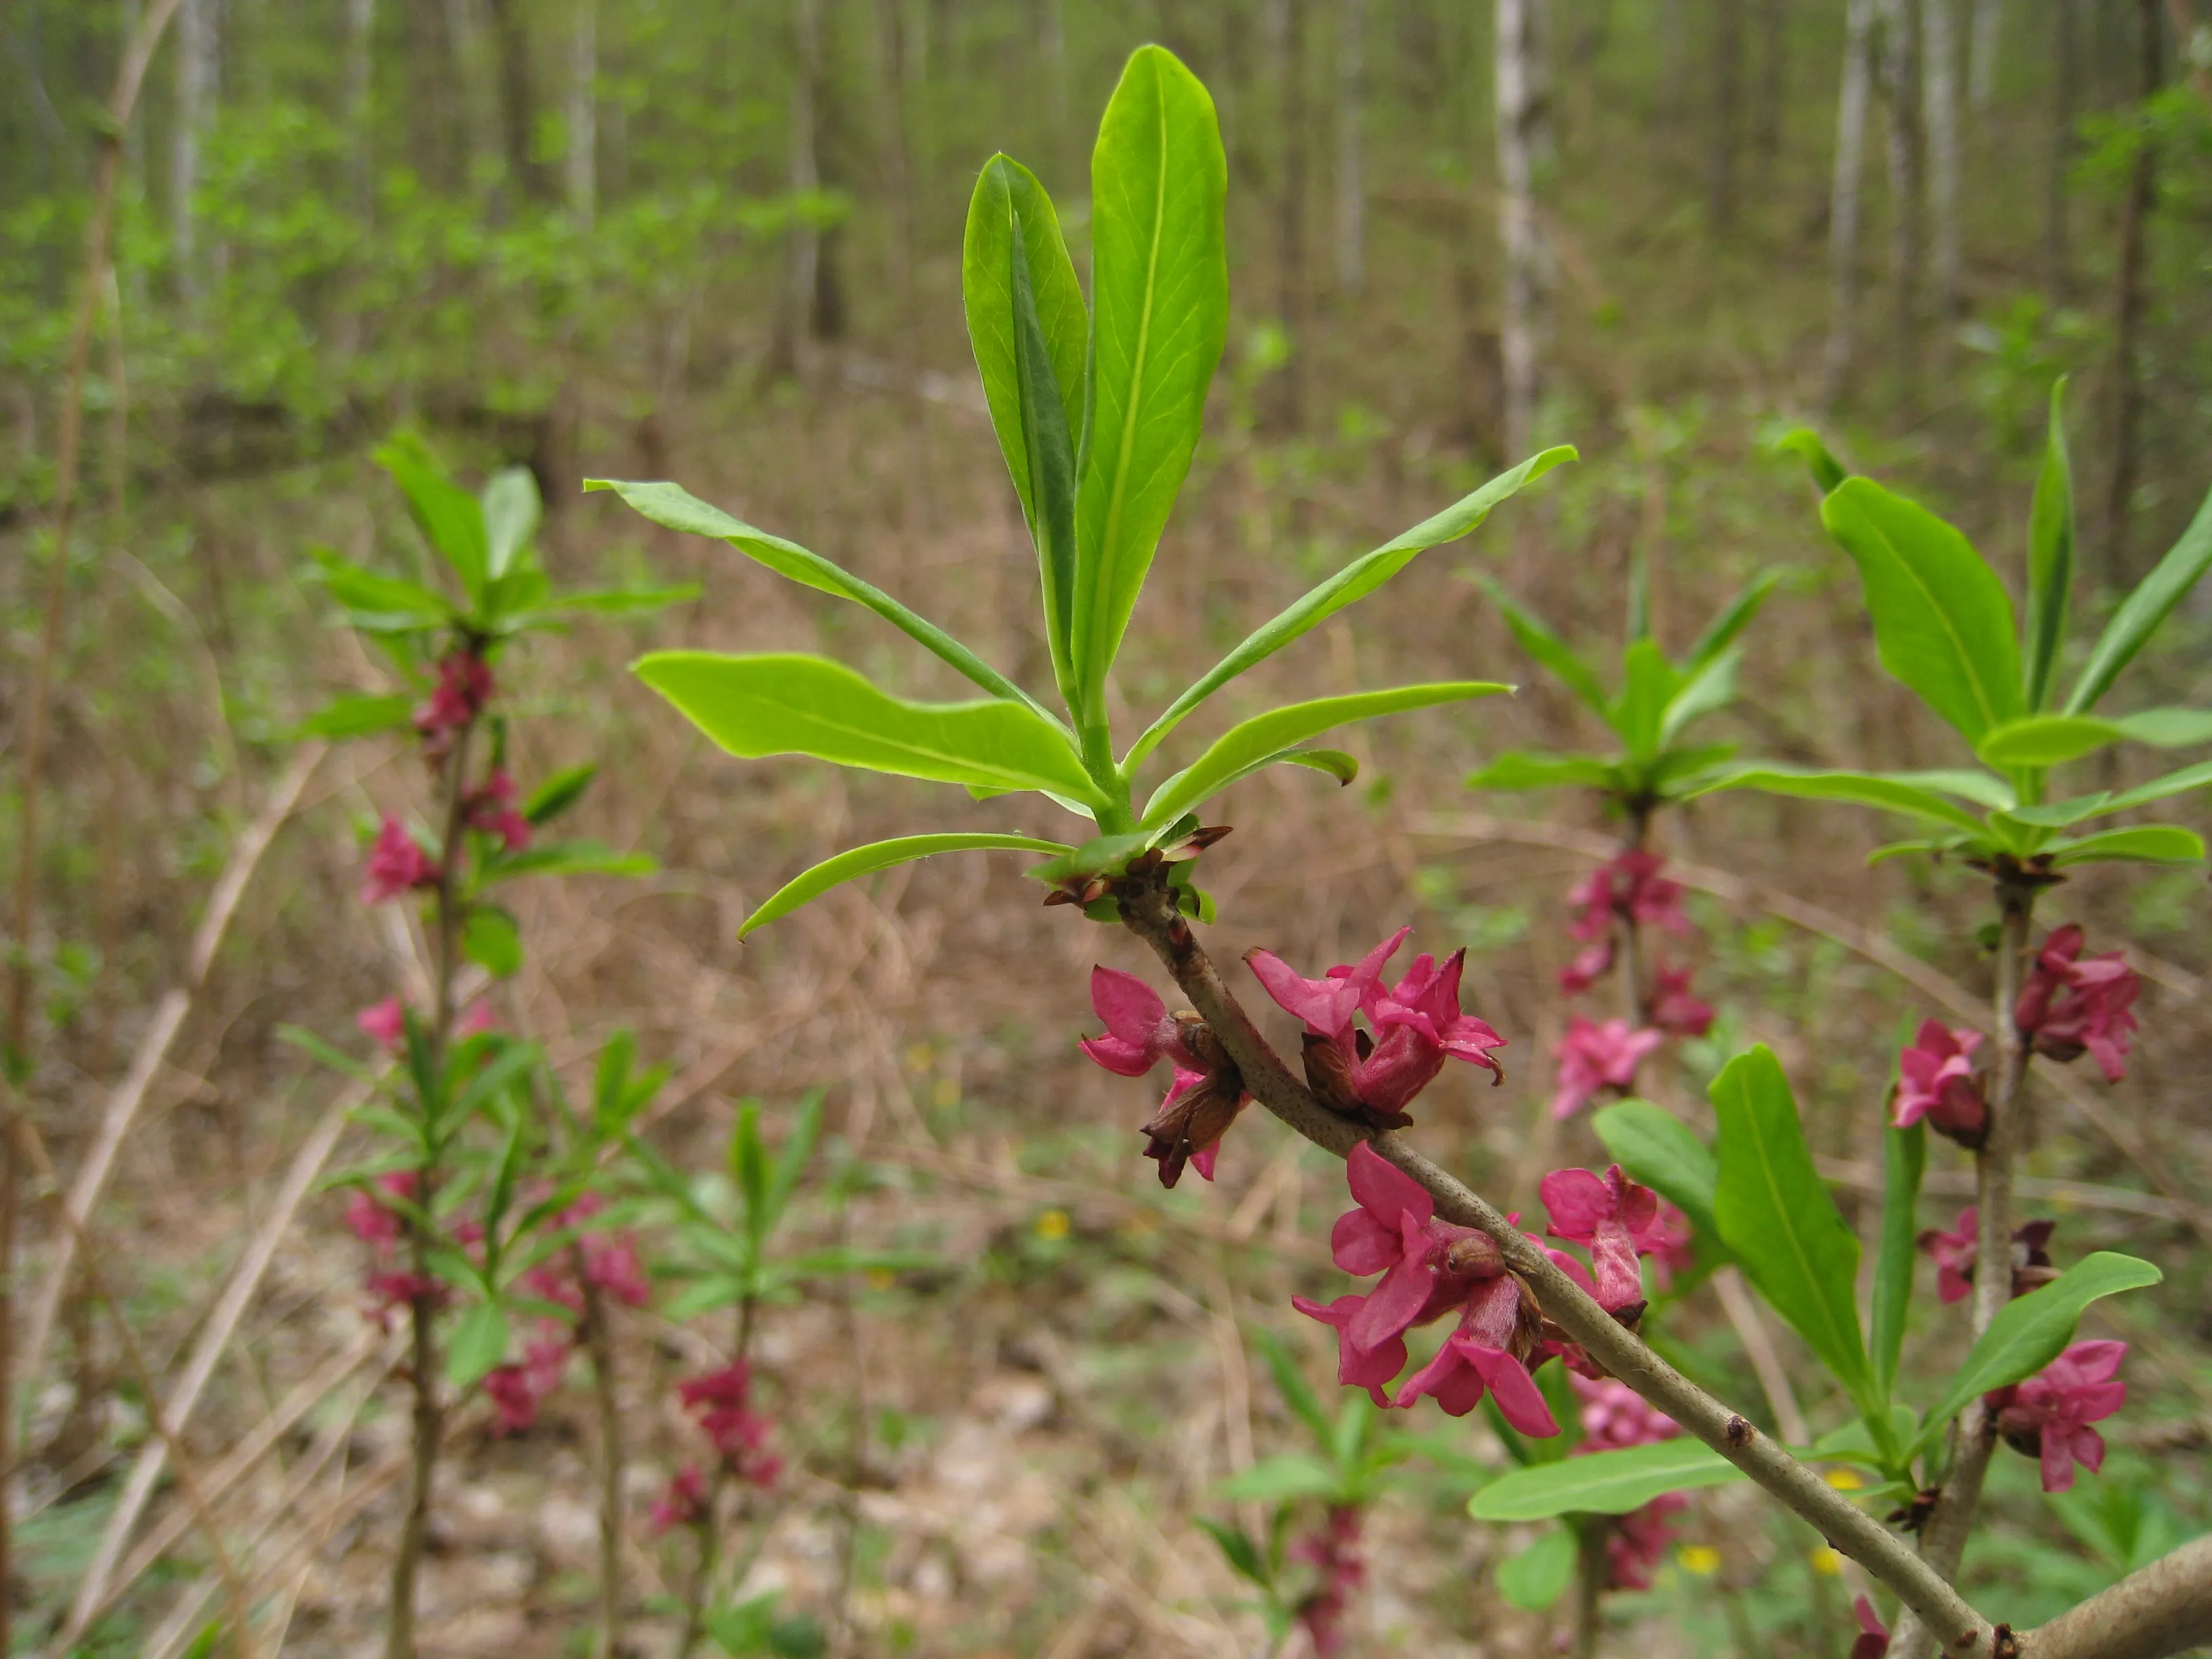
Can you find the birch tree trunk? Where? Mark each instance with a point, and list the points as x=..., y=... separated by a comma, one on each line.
x=197, y=46
x=1523, y=97
x=1350, y=178
x=1907, y=223
x=1851, y=109
x=1988, y=36
x=1940, y=108
x=583, y=112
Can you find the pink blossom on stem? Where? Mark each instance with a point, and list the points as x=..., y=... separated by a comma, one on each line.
x=1953, y=1255
x=684, y=1502
x=2048, y=1416
x=1674, y=1008
x=1373, y=1369
x=1206, y=1094
x=1614, y=1416
x=386, y=1022
x=396, y=864
x=475, y=1021
x=1936, y=1082
x=1497, y=1323
x=1628, y=888
x=2071, y=1006
x=1334, y=1550
x=611, y=1262
x=1594, y=1057
x=465, y=686
x=373, y=1221
x=513, y=1398
x=1612, y=1217
x=1673, y=1245
x=491, y=809
x=1874, y=1636
x=1638, y=1545
x=1139, y=1032
x=719, y=1401
x=1428, y=1266
x=1591, y=963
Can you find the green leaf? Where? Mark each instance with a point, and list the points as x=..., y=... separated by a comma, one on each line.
x=379, y=604
x=479, y=1342
x=1280, y=1479
x=1264, y=736
x=451, y=519
x=1659, y=1150
x=1160, y=297
x=1648, y=685
x=1724, y=628
x=2030, y=1331
x=1828, y=471
x=2140, y=614
x=749, y=1167
x=611, y=601
x=1710, y=688
x=2173, y=783
x=1538, y=1576
x=1863, y=788
x=2043, y=740
x=1942, y=622
x=1777, y=1220
x=1602, y=1483
x=1531, y=634
x=358, y=716
x=1904, y=1157
x=1516, y=769
x=1241, y=1553
x=558, y=793
x=882, y=855
x=789, y=704
x=1291, y=1381
x=490, y=940
x=1347, y=586
x=1049, y=450
x=2147, y=844
x=510, y=511
x=2049, y=556
x=565, y=858
x=798, y=1151
x=676, y=508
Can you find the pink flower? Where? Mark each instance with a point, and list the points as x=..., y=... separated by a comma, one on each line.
x=395, y=865
x=513, y=1396
x=475, y=1022
x=491, y=809
x=2048, y=1416
x=385, y=1021
x=1615, y=1416
x=390, y=1291
x=1937, y=1081
x=1953, y=1255
x=1612, y=1217
x=1638, y=1545
x=1334, y=1550
x=1628, y=888
x=1498, y=1322
x=1591, y=963
x=2092, y=1014
x=718, y=1402
x=374, y=1222
x=1675, y=1009
x=1373, y=1369
x=1206, y=1092
x=1594, y=1057
x=1428, y=1266
x=612, y=1263
x=1873, y=1635
x=684, y=1503
x=1673, y=1248
x=1415, y=1026
x=465, y=686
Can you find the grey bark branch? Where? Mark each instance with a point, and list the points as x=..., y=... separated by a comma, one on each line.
x=2165, y=1609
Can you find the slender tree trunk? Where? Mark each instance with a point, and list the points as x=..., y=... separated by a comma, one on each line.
x=518, y=115
x=1907, y=221
x=2132, y=300
x=1523, y=97
x=1291, y=214
x=1851, y=109
x=2065, y=93
x=1773, y=81
x=1727, y=115
x=197, y=45
x=583, y=122
x=1989, y=37
x=1940, y=105
x=1351, y=176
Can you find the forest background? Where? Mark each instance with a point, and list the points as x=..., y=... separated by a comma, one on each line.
x=720, y=243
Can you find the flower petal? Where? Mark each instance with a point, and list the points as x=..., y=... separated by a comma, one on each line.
x=1384, y=1190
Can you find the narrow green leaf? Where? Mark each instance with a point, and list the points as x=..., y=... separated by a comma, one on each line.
x=1648, y=685
x=1049, y=451
x=2043, y=740
x=1538, y=1576
x=1828, y=471
x=1942, y=622
x=2145, y=843
x=1777, y=1220
x=558, y=793
x=1160, y=295
x=358, y=716
x=1904, y=1157
x=749, y=1168
x=2140, y=614
x=510, y=509
x=1517, y=770
x=1710, y=688
x=565, y=858
x=1531, y=634
x=1725, y=629
x=1291, y=1382
x=2049, y=556
x=1659, y=1150
x=451, y=519
x=490, y=940
x=607, y=601
x=798, y=1151
x=1238, y=1549
x=1347, y=586
x=1280, y=1479
x=676, y=508
x=2173, y=783
x=376, y=604
x=1865, y=788
x=479, y=1342
x=790, y=703
x=805, y=888
x=2030, y=1331
x=1602, y=1483
x=1266, y=736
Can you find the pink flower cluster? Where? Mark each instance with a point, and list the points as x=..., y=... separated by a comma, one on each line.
x=721, y=1403
x=396, y=864
x=2071, y=1006
x=1334, y=1551
x=1618, y=1222
x=465, y=686
x=1206, y=1093
x=1613, y=1417
x=492, y=811
x=377, y=1223
x=2048, y=1416
x=1953, y=1253
x=1936, y=1083
x=610, y=1263
x=1413, y=1027
x=1620, y=895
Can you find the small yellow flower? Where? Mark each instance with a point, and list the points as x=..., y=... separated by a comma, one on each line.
x=920, y=1057
x=945, y=1093
x=1825, y=1560
x=1702, y=1559
x=1052, y=1224
x=1845, y=1480
x=881, y=1279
